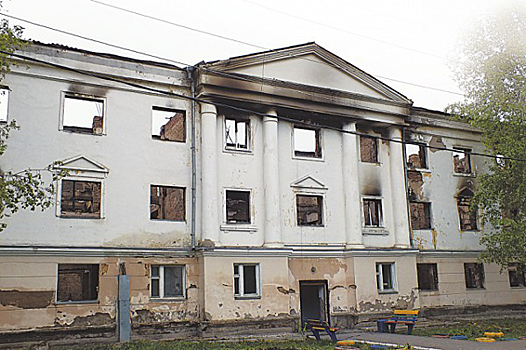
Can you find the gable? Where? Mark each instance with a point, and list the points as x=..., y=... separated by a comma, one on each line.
x=82, y=164
x=308, y=182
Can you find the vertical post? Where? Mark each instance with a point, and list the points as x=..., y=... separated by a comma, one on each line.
x=124, y=322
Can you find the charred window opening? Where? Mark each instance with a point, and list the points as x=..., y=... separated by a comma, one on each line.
x=307, y=142
x=517, y=274
x=466, y=213
x=385, y=280
x=420, y=215
x=168, y=124
x=237, y=134
x=416, y=156
x=237, y=207
x=309, y=210
x=83, y=115
x=246, y=280
x=462, y=160
x=167, y=281
x=372, y=212
x=368, y=149
x=77, y=282
x=80, y=199
x=474, y=274
x=4, y=102
x=167, y=203
x=427, y=276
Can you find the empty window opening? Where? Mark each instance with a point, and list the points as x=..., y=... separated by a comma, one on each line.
x=385, y=280
x=77, y=282
x=517, y=274
x=427, y=276
x=462, y=161
x=466, y=213
x=368, y=149
x=307, y=142
x=238, y=207
x=416, y=156
x=167, y=281
x=80, y=199
x=372, y=212
x=246, y=280
x=309, y=210
x=420, y=215
x=167, y=203
x=474, y=274
x=237, y=134
x=83, y=115
x=4, y=102
x=168, y=124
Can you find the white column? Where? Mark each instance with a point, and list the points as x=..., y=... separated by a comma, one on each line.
x=271, y=181
x=398, y=193
x=210, y=201
x=351, y=188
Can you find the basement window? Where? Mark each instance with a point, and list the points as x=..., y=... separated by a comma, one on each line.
x=309, y=210
x=368, y=149
x=427, y=276
x=168, y=124
x=307, y=142
x=167, y=281
x=385, y=277
x=372, y=212
x=167, y=203
x=80, y=199
x=420, y=215
x=462, y=161
x=466, y=213
x=246, y=280
x=517, y=274
x=83, y=114
x=237, y=134
x=237, y=207
x=416, y=156
x=474, y=274
x=4, y=103
x=77, y=282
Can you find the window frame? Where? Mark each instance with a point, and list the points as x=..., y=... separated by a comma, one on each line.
x=474, y=215
x=86, y=97
x=240, y=279
x=79, y=179
x=470, y=285
x=7, y=91
x=380, y=278
x=86, y=301
x=381, y=224
x=321, y=204
x=318, y=152
x=422, y=152
x=467, y=153
x=184, y=202
x=248, y=134
x=168, y=110
x=427, y=208
x=161, y=279
x=249, y=209
x=517, y=266
x=377, y=147
x=435, y=283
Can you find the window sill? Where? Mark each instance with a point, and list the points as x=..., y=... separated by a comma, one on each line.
x=388, y=291
x=371, y=163
x=238, y=227
x=464, y=174
x=77, y=302
x=517, y=287
x=167, y=300
x=375, y=231
x=421, y=170
x=157, y=138
x=247, y=297
x=428, y=290
x=237, y=151
x=314, y=159
x=475, y=289
x=62, y=216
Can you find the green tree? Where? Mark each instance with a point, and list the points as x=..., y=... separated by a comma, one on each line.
x=491, y=70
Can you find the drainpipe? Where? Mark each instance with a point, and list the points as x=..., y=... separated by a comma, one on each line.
x=406, y=181
x=190, y=71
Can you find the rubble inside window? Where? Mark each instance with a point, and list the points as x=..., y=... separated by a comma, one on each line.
x=368, y=149
x=80, y=199
x=372, y=212
x=4, y=102
x=466, y=214
x=474, y=274
x=462, y=161
x=517, y=274
x=83, y=115
x=309, y=210
x=307, y=142
x=167, y=203
x=427, y=276
x=77, y=282
x=416, y=156
x=168, y=124
x=420, y=215
x=237, y=207
x=237, y=134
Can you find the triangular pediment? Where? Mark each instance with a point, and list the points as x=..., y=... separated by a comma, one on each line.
x=311, y=65
x=308, y=182
x=83, y=164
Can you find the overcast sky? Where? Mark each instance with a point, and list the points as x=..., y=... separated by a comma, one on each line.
x=404, y=40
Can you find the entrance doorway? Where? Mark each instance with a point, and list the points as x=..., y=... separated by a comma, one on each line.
x=314, y=302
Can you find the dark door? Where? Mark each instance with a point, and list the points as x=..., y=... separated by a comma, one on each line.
x=313, y=300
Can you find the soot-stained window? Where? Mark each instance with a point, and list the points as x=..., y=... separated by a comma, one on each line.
x=372, y=212
x=416, y=156
x=307, y=142
x=237, y=134
x=462, y=161
x=83, y=115
x=420, y=215
x=168, y=124
x=368, y=149
x=466, y=213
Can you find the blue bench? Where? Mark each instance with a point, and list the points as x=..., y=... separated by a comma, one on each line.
x=407, y=317
x=317, y=326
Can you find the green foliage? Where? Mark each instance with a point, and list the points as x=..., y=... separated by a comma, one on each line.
x=512, y=328
x=491, y=70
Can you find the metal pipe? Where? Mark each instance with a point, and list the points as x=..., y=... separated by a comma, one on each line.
x=190, y=71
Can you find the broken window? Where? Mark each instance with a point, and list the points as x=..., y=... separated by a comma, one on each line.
x=372, y=212
x=474, y=274
x=466, y=213
x=368, y=149
x=167, y=203
x=416, y=156
x=427, y=276
x=168, y=124
x=167, y=281
x=420, y=215
x=4, y=102
x=462, y=161
x=83, y=114
x=385, y=280
x=517, y=274
x=80, y=199
x=237, y=207
x=307, y=142
x=309, y=210
x=237, y=134
x=77, y=282
x=246, y=280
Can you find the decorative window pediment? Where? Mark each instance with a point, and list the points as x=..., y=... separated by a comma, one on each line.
x=307, y=182
x=84, y=166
